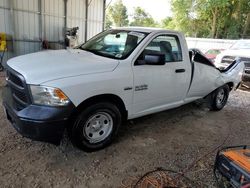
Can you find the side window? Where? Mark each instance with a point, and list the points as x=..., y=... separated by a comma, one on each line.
x=168, y=45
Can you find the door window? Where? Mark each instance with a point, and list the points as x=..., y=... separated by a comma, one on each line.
x=168, y=45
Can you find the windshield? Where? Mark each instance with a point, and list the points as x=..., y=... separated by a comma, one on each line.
x=117, y=44
x=241, y=45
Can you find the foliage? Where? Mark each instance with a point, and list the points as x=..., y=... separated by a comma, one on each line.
x=142, y=18
x=211, y=18
x=168, y=23
x=195, y=18
x=181, y=15
x=108, y=20
x=117, y=15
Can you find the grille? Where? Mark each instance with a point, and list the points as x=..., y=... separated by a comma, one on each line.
x=246, y=59
x=228, y=59
x=247, y=65
x=19, y=95
x=15, y=79
x=18, y=89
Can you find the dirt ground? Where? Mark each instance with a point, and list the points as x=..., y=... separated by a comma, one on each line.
x=172, y=139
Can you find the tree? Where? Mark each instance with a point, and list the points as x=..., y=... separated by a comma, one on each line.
x=108, y=20
x=167, y=23
x=227, y=18
x=181, y=15
x=214, y=13
x=117, y=15
x=245, y=17
x=211, y=18
x=246, y=31
x=142, y=18
x=195, y=18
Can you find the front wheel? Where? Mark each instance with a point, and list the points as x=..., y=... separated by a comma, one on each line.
x=219, y=98
x=96, y=126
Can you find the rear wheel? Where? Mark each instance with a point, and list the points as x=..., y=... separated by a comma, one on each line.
x=96, y=126
x=219, y=98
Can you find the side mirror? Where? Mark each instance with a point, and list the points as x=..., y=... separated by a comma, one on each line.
x=154, y=59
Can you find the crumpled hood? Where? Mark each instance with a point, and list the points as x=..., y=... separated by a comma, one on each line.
x=44, y=66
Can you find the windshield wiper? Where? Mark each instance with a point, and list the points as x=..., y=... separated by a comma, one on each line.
x=99, y=53
x=91, y=51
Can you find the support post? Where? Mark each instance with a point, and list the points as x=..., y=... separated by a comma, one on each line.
x=86, y=20
x=40, y=21
x=11, y=5
x=104, y=13
x=65, y=20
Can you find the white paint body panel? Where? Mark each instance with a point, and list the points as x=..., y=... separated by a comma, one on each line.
x=81, y=75
x=207, y=79
x=57, y=64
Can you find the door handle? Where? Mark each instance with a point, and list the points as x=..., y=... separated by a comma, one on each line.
x=180, y=70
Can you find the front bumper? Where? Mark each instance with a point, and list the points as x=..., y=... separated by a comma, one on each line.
x=246, y=75
x=42, y=123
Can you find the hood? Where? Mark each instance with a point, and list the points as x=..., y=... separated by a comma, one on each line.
x=44, y=66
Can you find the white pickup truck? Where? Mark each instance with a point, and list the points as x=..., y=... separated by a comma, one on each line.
x=119, y=74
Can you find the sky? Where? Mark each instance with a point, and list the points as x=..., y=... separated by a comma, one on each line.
x=159, y=9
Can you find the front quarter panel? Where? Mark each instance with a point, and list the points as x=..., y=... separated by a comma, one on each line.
x=80, y=88
x=234, y=74
x=206, y=79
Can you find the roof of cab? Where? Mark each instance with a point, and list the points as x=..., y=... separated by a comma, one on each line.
x=143, y=29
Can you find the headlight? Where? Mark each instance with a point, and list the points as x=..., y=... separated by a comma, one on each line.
x=50, y=96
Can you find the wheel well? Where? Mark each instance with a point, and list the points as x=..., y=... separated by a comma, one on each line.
x=103, y=98
x=230, y=85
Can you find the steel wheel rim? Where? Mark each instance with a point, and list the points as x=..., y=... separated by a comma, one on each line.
x=220, y=98
x=98, y=127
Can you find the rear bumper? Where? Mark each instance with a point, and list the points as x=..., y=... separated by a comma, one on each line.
x=42, y=123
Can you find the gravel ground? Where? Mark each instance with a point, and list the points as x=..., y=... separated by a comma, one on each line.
x=172, y=139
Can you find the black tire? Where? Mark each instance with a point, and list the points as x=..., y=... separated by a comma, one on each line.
x=84, y=120
x=219, y=98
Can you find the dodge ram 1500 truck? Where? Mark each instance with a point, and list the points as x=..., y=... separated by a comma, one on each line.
x=119, y=74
